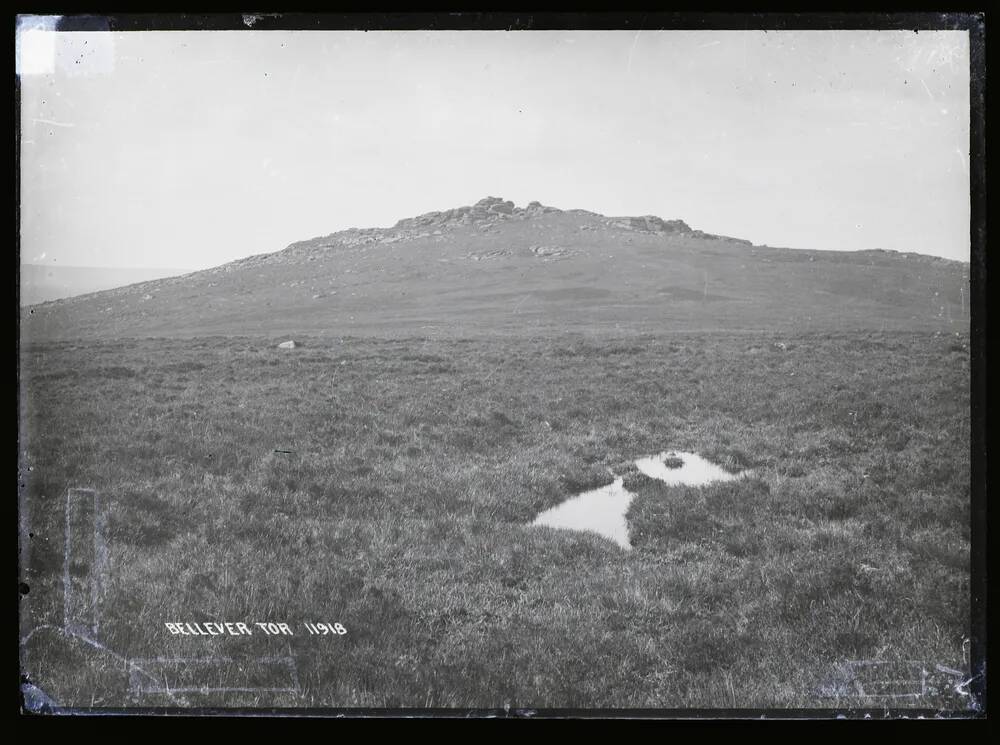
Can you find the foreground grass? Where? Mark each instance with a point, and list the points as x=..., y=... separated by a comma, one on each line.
x=400, y=510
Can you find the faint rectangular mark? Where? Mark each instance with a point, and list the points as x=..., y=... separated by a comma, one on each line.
x=213, y=675
x=84, y=562
x=889, y=680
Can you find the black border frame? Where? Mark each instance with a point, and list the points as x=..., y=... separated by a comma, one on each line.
x=972, y=21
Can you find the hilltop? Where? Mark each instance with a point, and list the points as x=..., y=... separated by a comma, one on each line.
x=494, y=267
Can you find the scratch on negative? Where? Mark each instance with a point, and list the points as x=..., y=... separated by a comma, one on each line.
x=632, y=49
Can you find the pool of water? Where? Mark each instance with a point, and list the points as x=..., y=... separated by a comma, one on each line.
x=602, y=510
x=695, y=470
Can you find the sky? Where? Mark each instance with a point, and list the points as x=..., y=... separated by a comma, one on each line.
x=191, y=149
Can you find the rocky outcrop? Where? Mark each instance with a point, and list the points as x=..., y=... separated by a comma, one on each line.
x=485, y=211
x=650, y=224
x=714, y=237
x=487, y=215
x=499, y=206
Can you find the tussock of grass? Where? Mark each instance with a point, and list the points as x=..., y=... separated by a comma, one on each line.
x=634, y=481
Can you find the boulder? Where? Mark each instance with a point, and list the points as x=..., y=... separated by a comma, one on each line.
x=503, y=207
x=290, y=344
x=537, y=208
x=487, y=202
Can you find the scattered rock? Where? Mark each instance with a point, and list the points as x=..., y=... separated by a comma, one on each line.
x=496, y=254
x=548, y=251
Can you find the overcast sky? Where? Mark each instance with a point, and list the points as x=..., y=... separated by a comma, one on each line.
x=190, y=149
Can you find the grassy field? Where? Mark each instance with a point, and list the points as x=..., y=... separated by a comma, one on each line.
x=401, y=510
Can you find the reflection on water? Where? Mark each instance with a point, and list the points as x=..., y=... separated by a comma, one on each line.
x=602, y=510
x=695, y=471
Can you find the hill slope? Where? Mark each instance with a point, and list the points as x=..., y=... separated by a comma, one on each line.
x=493, y=267
x=41, y=283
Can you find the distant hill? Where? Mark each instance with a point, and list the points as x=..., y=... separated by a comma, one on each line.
x=496, y=268
x=42, y=282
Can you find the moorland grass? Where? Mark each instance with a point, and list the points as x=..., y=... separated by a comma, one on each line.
x=389, y=485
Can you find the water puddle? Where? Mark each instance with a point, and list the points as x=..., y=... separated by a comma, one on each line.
x=693, y=471
x=602, y=510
